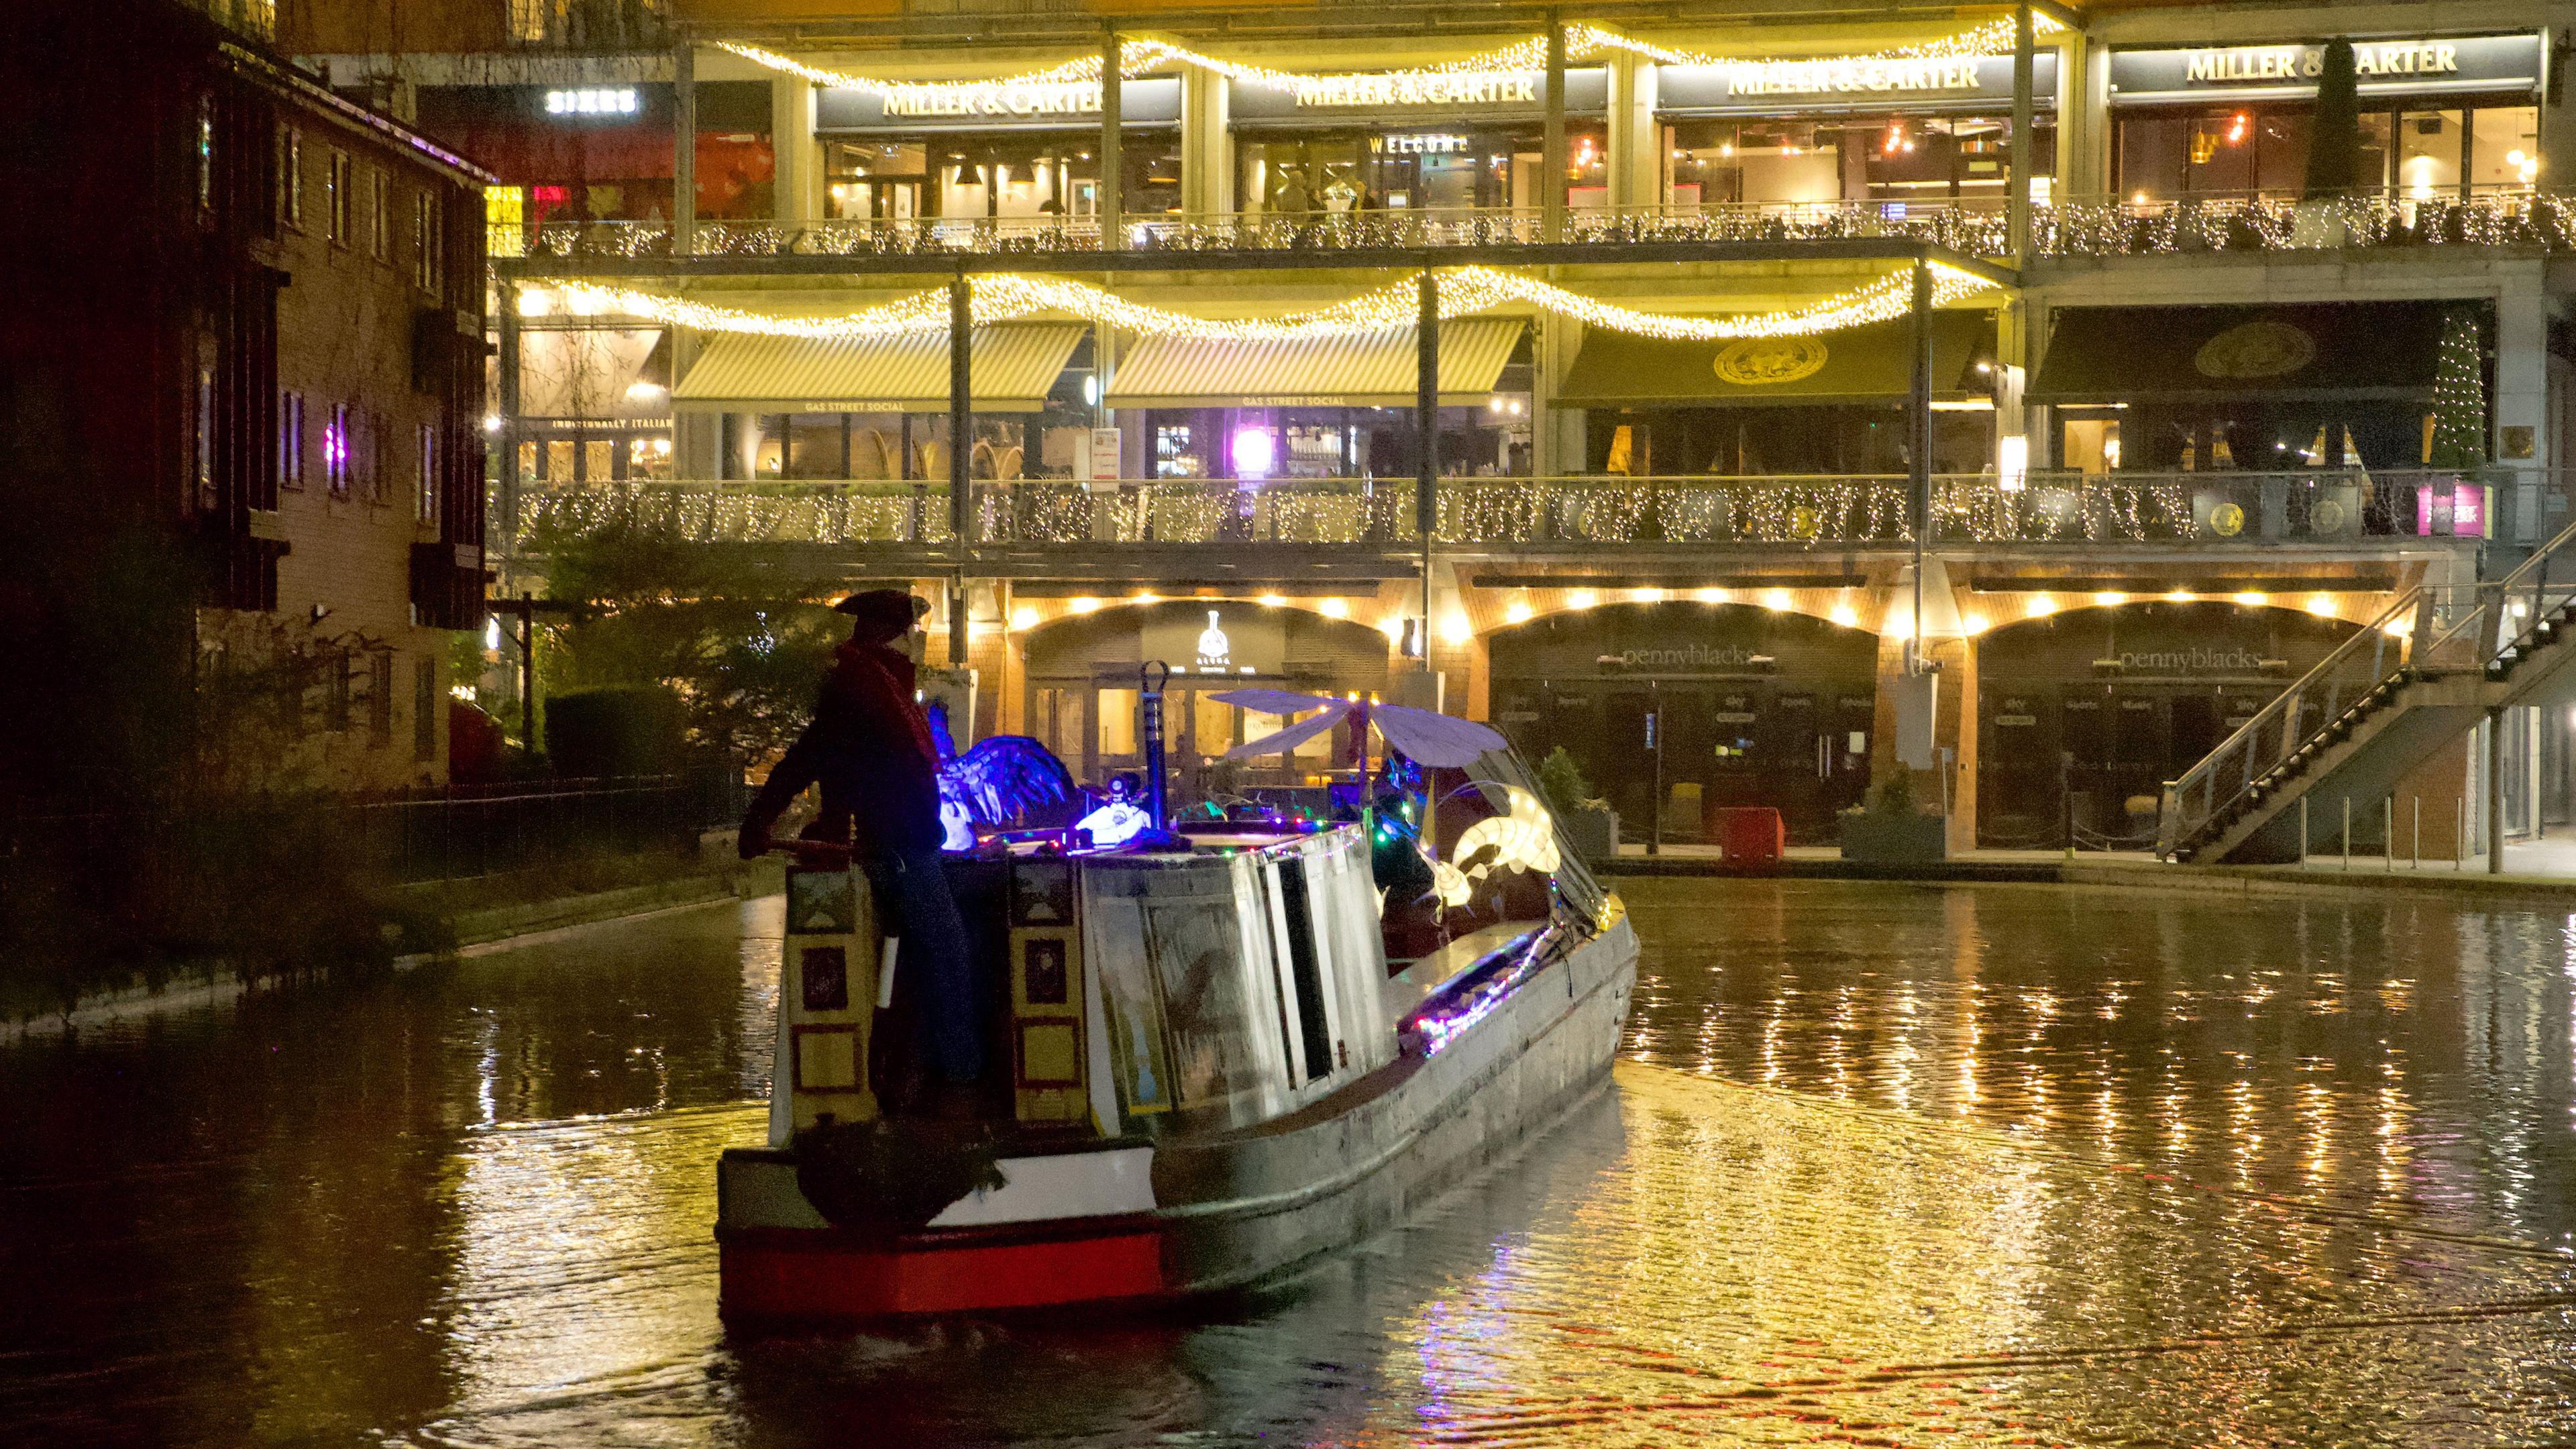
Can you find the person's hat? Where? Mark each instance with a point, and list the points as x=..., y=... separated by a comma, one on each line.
x=891, y=609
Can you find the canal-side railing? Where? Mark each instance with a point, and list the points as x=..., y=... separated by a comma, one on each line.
x=2318, y=507
x=2066, y=226
x=2427, y=633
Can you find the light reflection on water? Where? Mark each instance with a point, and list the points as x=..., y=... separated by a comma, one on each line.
x=1885, y=1165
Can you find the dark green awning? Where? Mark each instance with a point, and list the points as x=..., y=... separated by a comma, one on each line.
x=2308, y=352
x=1871, y=364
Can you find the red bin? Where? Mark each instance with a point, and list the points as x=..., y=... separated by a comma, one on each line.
x=1751, y=835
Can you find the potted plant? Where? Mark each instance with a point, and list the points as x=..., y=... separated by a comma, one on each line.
x=1590, y=825
x=2334, y=151
x=1891, y=829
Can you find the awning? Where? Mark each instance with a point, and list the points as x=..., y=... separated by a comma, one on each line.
x=1015, y=365
x=1871, y=364
x=1364, y=369
x=2281, y=353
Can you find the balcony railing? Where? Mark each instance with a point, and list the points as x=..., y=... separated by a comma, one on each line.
x=2209, y=510
x=2067, y=227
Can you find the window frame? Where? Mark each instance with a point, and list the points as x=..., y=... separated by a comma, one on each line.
x=290, y=176
x=336, y=184
x=426, y=500
x=380, y=214
x=290, y=440
x=335, y=453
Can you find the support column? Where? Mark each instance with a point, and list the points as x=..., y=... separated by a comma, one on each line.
x=2521, y=409
x=1426, y=432
x=1207, y=158
x=2083, y=125
x=796, y=168
x=1636, y=152
x=1552, y=158
x=684, y=151
x=2495, y=791
x=2024, y=143
x=1113, y=215
x=961, y=450
x=1918, y=432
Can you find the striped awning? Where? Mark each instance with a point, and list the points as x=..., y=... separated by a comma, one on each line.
x=1015, y=365
x=1361, y=369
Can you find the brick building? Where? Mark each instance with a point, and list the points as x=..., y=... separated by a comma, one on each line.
x=243, y=411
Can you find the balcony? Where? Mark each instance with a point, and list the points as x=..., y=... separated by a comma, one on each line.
x=1360, y=518
x=2075, y=227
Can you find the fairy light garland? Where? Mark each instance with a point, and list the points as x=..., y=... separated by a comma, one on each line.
x=1143, y=55
x=1463, y=292
x=1690, y=511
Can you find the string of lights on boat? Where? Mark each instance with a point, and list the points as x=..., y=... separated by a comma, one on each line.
x=1142, y=55
x=1462, y=292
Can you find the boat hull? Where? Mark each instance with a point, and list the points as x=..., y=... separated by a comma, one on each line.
x=1226, y=1211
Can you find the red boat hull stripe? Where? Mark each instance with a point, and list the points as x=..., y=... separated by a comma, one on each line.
x=770, y=1278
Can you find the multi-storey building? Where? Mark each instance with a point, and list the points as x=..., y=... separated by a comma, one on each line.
x=245, y=380
x=2222, y=357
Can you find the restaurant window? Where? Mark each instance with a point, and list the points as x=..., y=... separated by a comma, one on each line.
x=1117, y=712
x=336, y=180
x=2414, y=152
x=1792, y=162
x=1028, y=175
x=290, y=176
x=1286, y=173
x=290, y=440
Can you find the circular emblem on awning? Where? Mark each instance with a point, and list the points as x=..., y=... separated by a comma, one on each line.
x=2255, y=349
x=1768, y=361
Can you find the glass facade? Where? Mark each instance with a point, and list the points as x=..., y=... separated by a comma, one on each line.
x=2421, y=151
x=1369, y=168
x=996, y=174
x=1730, y=161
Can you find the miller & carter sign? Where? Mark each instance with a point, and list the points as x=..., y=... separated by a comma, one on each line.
x=2479, y=63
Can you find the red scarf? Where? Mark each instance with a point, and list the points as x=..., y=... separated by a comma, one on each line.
x=883, y=681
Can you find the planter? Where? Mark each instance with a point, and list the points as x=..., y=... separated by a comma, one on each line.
x=2318, y=225
x=1893, y=839
x=1594, y=834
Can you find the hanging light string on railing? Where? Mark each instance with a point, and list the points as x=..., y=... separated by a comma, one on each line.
x=1463, y=292
x=1143, y=55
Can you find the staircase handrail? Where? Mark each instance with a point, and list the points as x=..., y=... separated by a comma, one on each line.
x=2423, y=644
x=2375, y=634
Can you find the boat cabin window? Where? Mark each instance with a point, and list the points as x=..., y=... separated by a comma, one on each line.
x=1313, y=1034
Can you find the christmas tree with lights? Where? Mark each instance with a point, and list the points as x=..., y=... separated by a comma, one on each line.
x=2459, y=397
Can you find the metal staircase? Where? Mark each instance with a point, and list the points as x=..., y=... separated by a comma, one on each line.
x=2385, y=701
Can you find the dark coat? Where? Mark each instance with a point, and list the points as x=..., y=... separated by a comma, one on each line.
x=869, y=748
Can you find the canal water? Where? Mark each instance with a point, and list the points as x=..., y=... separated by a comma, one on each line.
x=1881, y=1165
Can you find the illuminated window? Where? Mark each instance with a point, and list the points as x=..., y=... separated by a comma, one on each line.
x=290, y=441
x=335, y=196
x=290, y=176
x=428, y=459
x=335, y=452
